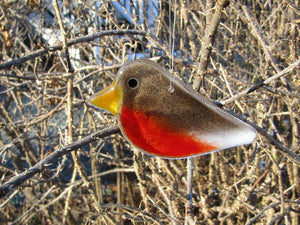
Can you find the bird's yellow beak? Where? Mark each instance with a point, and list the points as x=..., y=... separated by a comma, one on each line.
x=109, y=98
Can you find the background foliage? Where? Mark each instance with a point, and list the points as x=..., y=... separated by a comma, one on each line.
x=50, y=70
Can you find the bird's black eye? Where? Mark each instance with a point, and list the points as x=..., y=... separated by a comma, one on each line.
x=133, y=83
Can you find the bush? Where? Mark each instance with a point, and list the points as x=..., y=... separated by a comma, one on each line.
x=50, y=66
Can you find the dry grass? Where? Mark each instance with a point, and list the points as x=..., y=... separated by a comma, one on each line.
x=44, y=107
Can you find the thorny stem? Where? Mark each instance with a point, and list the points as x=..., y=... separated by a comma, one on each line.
x=71, y=42
x=209, y=40
x=54, y=156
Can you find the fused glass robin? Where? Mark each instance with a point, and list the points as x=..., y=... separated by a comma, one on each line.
x=170, y=123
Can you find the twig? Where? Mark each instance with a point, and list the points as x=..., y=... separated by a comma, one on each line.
x=189, y=204
x=194, y=46
x=287, y=70
x=17, y=77
x=258, y=34
x=161, y=209
x=9, y=198
x=74, y=41
x=171, y=213
x=46, y=162
x=133, y=209
x=139, y=166
x=261, y=213
x=256, y=86
x=33, y=208
x=75, y=184
x=280, y=181
x=209, y=40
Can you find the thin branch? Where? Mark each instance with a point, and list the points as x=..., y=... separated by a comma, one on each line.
x=133, y=209
x=256, y=86
x=189, y=204
x=46, y=162
x=209, y=40
x=74, y=41
x=261, y=40
x=287, y=70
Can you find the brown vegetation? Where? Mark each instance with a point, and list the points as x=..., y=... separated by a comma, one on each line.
x=244, y=55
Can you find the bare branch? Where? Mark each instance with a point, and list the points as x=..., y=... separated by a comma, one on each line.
x=71, y=42
x=209, y=40
x=46, y=162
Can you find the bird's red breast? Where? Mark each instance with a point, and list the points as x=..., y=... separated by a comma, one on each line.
x=154, y=136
